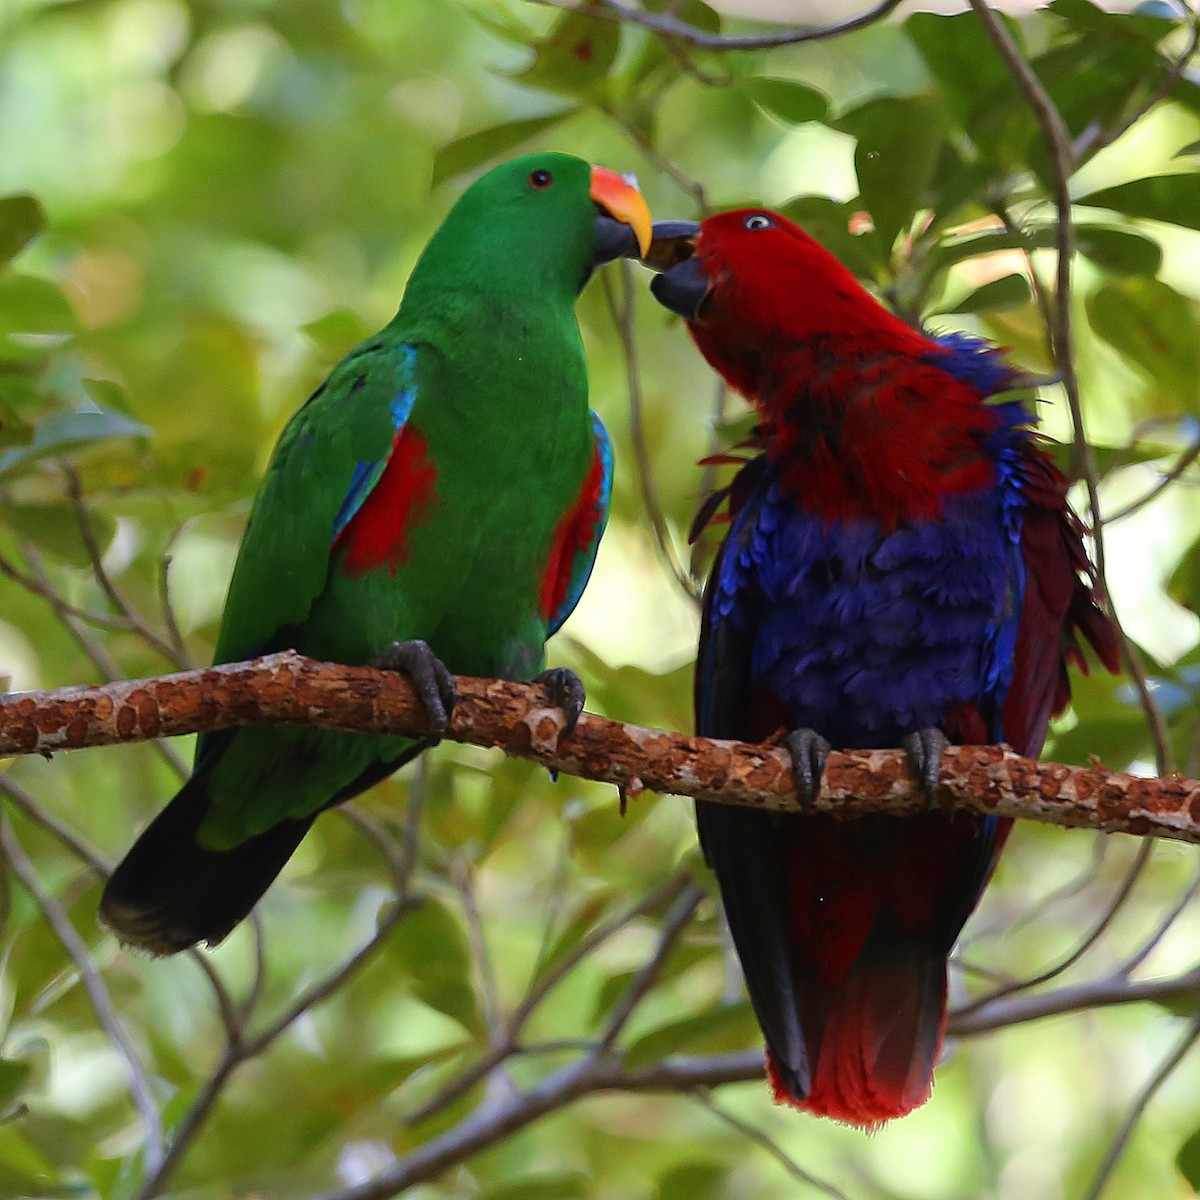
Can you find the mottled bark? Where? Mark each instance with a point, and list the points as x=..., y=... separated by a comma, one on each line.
x=521, y=720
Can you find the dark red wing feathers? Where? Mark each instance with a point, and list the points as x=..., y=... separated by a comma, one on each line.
x=1059, y=605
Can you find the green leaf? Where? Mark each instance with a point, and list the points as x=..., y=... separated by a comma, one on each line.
x=474, y=149
x=1188, y=1160
x=32, y=305
x=786, y=99
x=1009, y=291
x=544, y=1185
x=701, y=1179
x=580, y=922
x=1116, y=248
x=1143, y=25
x=1152, y=325
x=14, y=1075
x=436, y=961
x=107, y=395
x=21, y=220
x=1174, y=199
x=1092, y=82
x=1184, y=584
x=67, y=432
x=724, y=1028
x=575, y=55
x=1122, y=251
x=899, y=141
x=977, y=90
x=829, y=222
x=55, y=529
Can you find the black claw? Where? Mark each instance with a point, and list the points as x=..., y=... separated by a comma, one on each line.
x=433, y=682
x=925, y=748
x=808, y=750
x=567, y=691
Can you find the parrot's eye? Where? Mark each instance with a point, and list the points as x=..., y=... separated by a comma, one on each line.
x=541, y=179
x=757, y=221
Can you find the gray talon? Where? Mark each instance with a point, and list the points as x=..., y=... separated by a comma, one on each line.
x=567, y=691
x=808, y=750
x=429, y=676
x=925, y=748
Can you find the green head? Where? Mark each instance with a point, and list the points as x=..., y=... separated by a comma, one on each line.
x=535, y=226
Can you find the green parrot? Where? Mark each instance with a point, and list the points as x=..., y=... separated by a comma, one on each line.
x=434, y=507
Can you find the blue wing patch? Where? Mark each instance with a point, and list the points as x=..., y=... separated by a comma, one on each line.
x=366, y=474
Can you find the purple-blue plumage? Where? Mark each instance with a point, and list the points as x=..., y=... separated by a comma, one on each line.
x=867, y=634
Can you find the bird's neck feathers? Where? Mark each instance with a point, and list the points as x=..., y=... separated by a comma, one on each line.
x=865, y=417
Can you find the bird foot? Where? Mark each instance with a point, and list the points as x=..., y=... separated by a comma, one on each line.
x=925, y=748
x=567, y=691
x=808, y=751
x=434, y=685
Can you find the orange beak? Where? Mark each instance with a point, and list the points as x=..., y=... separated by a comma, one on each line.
x=623, y=202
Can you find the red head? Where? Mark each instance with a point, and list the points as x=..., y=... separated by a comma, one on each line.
x=853, y=402
x=756, y=287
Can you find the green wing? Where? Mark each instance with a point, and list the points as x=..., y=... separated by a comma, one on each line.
x=327, y=460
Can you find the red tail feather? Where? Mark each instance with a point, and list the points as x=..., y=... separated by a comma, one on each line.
x=880, y=1035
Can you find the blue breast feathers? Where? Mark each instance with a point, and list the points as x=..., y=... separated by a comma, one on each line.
x=867, y=635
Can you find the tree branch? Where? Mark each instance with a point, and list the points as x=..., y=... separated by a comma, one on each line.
x=521, y=720
x=668, y=26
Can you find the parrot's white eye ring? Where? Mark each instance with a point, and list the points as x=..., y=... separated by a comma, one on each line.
x=757, y=221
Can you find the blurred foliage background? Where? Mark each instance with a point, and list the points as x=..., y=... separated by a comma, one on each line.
x=205, y=205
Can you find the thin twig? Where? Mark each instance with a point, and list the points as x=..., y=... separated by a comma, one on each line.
x=760, y=1138
x=25, y=803
x=668, y=26
x=1185, y=460
x=1061, y=155
x=1093, y=936
x=95, y=652
x=665, y=893
x=1005, y=924
x=170, y=621
x=692, y=186
x=1095, y=137
x=490, y=1123
x=61, y=605
x=95, y=553
x=623, y=319
x=1185, y=897
x=1138, y=1107
x=240, y=1049
x=22, y=800
x=679, y=914
x=1107, y=992
x=487, y=986
x=56, y=916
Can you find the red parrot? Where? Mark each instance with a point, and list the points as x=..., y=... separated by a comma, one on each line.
x=901, y=568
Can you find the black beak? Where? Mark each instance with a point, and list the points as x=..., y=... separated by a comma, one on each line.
x=683, y=289
x=682, y=285
x=670, y=243
x=614, y=240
